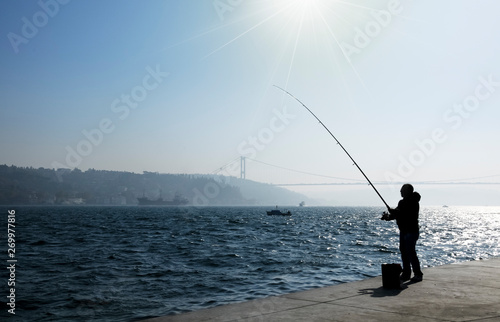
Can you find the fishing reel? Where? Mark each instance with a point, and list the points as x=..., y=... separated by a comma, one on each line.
x=385, y=216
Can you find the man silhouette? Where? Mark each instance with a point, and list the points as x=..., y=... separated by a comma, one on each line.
x=406, y=215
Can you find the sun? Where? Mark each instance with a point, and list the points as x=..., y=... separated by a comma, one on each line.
x=310, y=18
x=304, y=35
x=305, y=4
x=299, y=10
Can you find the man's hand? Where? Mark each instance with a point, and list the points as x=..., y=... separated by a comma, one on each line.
x=385, y=216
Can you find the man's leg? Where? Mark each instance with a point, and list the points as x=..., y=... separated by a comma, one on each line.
x=403, y=247
x=412, y=253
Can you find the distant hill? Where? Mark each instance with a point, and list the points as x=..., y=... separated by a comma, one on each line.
x=267, y=194
x=31, y=186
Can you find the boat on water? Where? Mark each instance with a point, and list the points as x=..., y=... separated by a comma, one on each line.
x=277, y=212
x=177, y=201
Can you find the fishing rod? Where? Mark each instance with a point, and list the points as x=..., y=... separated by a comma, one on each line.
x=333, y=136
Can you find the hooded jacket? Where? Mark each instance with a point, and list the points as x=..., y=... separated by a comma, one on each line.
x=406, y=213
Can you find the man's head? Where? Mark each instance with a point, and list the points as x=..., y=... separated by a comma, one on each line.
x=406, y=190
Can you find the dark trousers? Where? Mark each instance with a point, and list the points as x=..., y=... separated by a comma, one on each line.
x=407, y=243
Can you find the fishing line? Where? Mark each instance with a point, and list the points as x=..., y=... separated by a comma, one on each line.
x=333, y=136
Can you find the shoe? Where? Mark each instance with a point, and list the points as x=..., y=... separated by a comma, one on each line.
x=404, y=277
x=417, y=278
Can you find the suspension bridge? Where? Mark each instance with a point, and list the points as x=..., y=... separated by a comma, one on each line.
x=238, y=166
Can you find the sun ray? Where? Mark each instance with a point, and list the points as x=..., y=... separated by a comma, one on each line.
x=215, y=29
x=294, y=51
x=371, y=9
x=345, y=54
x=281, y=56
x=278, y=63
x=350, y=4
x=245, y=32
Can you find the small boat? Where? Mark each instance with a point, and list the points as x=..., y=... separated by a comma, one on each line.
x=277, y=212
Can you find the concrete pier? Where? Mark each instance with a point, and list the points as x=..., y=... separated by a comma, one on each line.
x=467, y=291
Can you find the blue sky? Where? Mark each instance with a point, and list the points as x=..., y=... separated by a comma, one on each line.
x=410, y=88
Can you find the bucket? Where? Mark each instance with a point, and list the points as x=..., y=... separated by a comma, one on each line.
x=390, y=276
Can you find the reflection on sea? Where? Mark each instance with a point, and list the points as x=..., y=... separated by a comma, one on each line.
x=123, y=263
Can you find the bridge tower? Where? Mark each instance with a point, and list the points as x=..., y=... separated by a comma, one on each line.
x=242, y=168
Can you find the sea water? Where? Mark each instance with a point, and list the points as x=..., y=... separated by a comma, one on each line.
x=130, y=263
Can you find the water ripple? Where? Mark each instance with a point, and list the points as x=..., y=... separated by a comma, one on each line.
x=124, y=263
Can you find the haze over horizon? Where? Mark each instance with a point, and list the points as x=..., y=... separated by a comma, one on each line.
x=411, y=89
